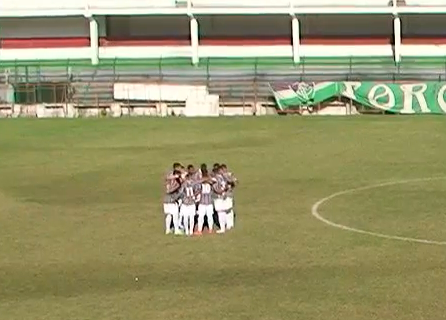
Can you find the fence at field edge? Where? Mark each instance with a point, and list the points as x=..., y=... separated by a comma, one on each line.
x=100, y=94
x=243, y=85
x=240, y=93
x=209, y=66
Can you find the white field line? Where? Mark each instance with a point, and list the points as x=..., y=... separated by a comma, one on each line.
x=315, y=211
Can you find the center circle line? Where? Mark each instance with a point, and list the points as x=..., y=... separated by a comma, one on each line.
x=315, y=211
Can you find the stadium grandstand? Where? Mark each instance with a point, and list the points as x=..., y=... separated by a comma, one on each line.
x=234, y=48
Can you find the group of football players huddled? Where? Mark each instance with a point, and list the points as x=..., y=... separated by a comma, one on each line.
x=199, y=199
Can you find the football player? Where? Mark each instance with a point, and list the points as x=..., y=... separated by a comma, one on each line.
x=175, y=167
x=172, y=187
x=231, y=182
x=215, y=169
x=205, y=207
x=219, y=191
x=187, y=210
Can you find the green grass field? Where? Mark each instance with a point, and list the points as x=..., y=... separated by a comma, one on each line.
x=80, y=218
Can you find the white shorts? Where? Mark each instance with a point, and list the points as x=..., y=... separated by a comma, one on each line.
x=171, y=208
x=187, y=210
x=229, y=203
x=205, y=209
x=219, y=205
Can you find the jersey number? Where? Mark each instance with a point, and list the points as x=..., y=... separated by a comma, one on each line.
x=205, y=188
x=189, y=192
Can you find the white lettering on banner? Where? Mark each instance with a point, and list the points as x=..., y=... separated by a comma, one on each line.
x=373, y=97
x=440, y=98
x=414, y=90
x=350, y=88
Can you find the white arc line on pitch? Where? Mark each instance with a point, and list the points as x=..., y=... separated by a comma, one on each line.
x=315, y=211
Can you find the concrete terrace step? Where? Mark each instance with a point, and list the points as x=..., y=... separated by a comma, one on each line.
x=94, y=91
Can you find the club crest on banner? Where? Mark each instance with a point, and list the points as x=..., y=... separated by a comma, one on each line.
x=304, y=91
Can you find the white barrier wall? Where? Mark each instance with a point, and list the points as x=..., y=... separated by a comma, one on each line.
x=283, y=51
x=45, y=8
x=82, y=4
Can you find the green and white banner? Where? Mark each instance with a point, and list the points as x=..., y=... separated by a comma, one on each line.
x=404, y=98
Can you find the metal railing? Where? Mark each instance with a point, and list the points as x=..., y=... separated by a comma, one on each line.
x=234, y=80
x=222, y=67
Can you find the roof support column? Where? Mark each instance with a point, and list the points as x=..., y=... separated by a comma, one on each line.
x=295, y=33
x=94, y=41
x=194, y=40
x=397, y=38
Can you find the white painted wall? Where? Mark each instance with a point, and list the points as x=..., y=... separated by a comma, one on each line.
x=47, y=27
x=45, y=54
x=129, y=3
x=368, y=51
x=51, y=4
x=81, y=4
